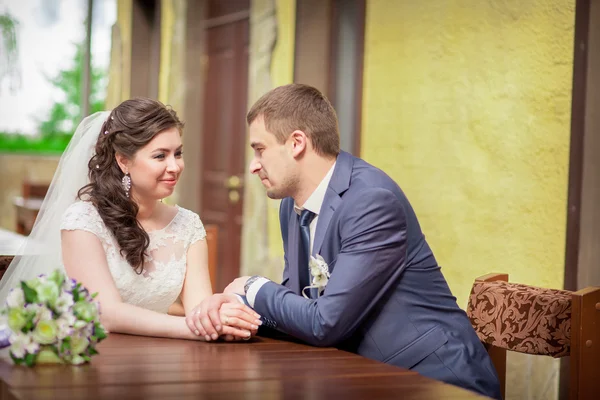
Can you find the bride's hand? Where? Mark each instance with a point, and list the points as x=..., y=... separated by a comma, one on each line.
x=225, y=312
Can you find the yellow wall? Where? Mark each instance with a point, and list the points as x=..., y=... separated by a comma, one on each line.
x=171, y=81
x=124, y=19
x=119, y=71
x=282, y=73
x=467, y=106
x=166, y=34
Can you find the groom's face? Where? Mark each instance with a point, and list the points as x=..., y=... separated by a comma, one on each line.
x=272, y=162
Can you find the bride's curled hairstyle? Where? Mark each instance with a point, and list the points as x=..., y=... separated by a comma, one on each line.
x=129, y=127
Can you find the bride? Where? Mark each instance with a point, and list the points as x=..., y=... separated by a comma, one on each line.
x=104, y=222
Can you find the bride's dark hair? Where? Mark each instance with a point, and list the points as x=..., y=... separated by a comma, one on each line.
x=129, y=127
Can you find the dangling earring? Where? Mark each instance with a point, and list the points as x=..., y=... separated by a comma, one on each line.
x=126, y=182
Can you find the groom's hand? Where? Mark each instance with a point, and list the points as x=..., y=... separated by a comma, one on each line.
x=237, y=286
x=206, y=320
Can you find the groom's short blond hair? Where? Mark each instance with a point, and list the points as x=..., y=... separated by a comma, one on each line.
x=299, y=107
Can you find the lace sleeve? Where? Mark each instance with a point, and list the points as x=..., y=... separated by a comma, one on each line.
x=198, y=232
x=82, y=215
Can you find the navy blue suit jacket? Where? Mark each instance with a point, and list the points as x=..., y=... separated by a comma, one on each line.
x=386, y=298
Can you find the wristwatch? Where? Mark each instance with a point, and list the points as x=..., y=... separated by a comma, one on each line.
x=249, y=282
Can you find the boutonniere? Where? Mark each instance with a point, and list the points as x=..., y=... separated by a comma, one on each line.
x=319, y=270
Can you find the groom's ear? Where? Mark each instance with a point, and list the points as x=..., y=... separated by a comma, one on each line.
x=298, y=142
x=123, y=162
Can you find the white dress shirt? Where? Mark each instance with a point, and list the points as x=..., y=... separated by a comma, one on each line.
x=313, y=203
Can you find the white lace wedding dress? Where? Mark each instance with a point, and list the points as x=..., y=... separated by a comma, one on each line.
x=164, y=270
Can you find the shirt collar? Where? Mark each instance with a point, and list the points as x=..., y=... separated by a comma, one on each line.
x=315, y=200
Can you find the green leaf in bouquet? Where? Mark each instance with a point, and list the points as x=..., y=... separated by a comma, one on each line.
x=17, y=361
x=92, y=351
x=29, y=325
x=65, y=345
x=30, y=294
x=99, y=332
x=30, y=360
x=76, y=294
x=57, y=277
x=86, y=358
x=94, y=295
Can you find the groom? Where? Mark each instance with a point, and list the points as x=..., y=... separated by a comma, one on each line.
x=379, y=292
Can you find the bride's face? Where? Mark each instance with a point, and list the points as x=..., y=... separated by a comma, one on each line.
x=156, y=167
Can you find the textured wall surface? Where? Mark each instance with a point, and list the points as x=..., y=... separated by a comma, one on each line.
x=467, y=106
x=282, y=73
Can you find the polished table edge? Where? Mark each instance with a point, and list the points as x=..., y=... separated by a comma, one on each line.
x=120, y=341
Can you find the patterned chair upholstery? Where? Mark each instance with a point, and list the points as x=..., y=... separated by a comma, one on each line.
x=532, y=320
x=521, y=318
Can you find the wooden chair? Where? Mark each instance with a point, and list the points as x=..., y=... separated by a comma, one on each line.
x=28, y=205
x=34, y=189
x=561, y=323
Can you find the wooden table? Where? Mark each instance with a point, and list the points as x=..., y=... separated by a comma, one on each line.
x=132, y=367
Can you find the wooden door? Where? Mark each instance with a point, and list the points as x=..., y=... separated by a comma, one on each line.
x=224, y=129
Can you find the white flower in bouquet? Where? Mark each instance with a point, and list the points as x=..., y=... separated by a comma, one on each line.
x=40, y=312
x=64, y=303
x=65, y=325
x=46, y=332
x=15, y=298
x=17, y=319
x=52, y=319
x=79, y=343
x=21, y=344
x=48, y=292
x=85, y=311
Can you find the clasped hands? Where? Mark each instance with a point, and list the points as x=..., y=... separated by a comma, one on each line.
x=224, y=315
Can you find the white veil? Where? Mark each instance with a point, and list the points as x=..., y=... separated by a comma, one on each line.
x=41, y=253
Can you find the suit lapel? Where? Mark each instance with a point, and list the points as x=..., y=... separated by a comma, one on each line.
x=330, y=203
x=339, y=183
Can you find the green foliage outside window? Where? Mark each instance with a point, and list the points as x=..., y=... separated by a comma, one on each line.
x=55, y=131
x=9, y=50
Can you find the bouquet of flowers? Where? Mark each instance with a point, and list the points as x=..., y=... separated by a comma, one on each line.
x=51, y=319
